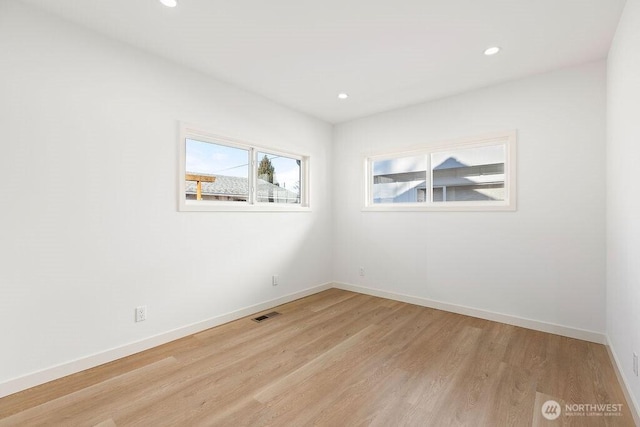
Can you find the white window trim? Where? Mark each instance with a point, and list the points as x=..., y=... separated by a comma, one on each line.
x=252, y=205
x=509, y=138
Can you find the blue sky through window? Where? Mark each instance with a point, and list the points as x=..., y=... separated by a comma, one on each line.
x=215, y=159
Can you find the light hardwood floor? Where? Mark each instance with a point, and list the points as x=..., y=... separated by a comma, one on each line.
x=337, y=359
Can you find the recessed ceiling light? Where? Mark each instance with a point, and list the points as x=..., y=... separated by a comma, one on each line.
x=169, y=3
x=343, y=95
x=492, y=50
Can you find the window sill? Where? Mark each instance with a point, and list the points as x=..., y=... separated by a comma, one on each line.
x=449, y=207
x=240, y=207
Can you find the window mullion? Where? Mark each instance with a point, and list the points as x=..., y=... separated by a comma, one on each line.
x=429, y=180
x=252, y=176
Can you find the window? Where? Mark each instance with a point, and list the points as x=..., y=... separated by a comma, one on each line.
x=471, y=174
x=218, y=173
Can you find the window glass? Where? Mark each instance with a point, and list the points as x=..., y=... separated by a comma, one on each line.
x=278, y=179
x=400, y=180
x=469, y=174
x=216, y=172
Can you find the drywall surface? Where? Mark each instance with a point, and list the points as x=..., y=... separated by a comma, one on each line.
x=543, y=262
x=623, y=204
x=89, y=226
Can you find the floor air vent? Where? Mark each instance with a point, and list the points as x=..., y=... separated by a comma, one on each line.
x=265, y=316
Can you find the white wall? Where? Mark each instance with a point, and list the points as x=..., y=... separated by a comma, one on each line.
x=89, y=226
x=546, y=261
x=623, y=203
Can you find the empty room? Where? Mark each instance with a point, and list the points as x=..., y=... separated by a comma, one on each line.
x=289, y=213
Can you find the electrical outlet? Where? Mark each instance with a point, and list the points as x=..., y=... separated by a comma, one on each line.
x=274, y=280
x=362, y=271
x=141, y=313
x=635, y=363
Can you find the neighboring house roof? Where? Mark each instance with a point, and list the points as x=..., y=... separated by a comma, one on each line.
x=223, y=185
x=450, y=163
x=237, y=186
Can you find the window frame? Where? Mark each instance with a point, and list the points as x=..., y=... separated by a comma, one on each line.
x=506, y=138
x=251, y=205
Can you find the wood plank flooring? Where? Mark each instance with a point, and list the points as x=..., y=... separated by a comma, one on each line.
x=337, y=359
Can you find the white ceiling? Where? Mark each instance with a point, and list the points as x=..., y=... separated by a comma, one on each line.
x=385, y=54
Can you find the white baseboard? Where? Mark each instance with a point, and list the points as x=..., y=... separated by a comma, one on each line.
x=634, y=408
x=537, y=325
x=36, y=378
